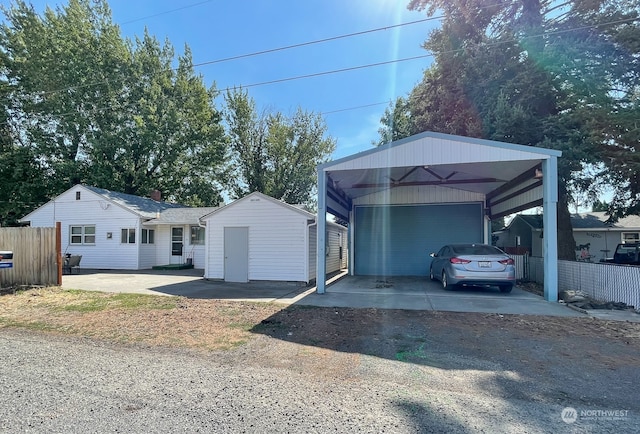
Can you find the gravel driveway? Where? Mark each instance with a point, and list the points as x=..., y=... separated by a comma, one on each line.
x=60, y=384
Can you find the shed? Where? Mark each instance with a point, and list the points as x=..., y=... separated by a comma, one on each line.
x=407, y=198
x=258, y=237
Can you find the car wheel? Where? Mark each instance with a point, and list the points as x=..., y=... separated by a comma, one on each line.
x=505, y=289
x=431, y=276
x=445, y=281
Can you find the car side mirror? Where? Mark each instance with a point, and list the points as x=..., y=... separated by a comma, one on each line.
x=433, y=255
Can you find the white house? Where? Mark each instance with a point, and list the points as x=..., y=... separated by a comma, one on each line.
x=121, y=231
x=261, y=238
x=595, y=238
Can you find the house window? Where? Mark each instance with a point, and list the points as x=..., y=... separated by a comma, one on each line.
x=128, y=236
x=630, y=237
x=82, y=234
x=197, y=235
x=148, y=236
x=77, y=195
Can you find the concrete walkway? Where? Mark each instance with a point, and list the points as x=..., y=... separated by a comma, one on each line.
x=413, y=293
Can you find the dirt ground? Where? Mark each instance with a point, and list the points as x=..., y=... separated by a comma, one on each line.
x=592, y=361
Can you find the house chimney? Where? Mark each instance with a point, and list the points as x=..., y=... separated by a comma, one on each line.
x=156, y=195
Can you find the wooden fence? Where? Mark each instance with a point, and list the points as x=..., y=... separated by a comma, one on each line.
x=35, y=257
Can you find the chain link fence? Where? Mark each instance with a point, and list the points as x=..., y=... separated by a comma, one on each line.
x=603, y=282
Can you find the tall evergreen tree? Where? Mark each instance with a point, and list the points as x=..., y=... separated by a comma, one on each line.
x=540, y=73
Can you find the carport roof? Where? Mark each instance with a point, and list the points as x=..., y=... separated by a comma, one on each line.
x=435, y=159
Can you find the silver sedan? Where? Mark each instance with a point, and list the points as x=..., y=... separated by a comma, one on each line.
x=473, y=264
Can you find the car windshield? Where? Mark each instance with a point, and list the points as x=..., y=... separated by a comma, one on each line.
x=476, y=249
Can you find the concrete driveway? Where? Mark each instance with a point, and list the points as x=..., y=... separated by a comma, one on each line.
x=414, y=293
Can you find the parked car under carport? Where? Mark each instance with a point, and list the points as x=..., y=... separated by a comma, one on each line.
x=472, y=264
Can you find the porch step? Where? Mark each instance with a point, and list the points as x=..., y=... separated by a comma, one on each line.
x=173, y=267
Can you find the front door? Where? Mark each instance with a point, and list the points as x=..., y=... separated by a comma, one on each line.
x=177, y=245
x=236, y=254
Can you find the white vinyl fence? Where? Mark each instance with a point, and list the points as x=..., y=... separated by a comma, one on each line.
x=603, y=282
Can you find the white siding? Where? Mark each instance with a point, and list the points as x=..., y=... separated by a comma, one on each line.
x=313, y=253
x=277, y=235
x=147, y=256
x=419, y=195
x=92, y=209
x=335, y=237
x=163, y=245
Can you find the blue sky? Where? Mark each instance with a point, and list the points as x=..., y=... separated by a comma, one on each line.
x=218, y=29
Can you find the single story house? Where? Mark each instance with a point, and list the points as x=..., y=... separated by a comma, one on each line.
x=114, y=230
x=258, y=237
x=595, y=238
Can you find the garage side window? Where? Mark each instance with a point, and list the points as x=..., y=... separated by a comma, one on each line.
x=197, y=235
x=128, y=236
x=82, y=235
x=630, y=237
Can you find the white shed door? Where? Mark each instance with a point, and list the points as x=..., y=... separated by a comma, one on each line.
x=236, y=254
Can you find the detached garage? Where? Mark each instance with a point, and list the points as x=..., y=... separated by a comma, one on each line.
x=408, y=198
x=261, y=238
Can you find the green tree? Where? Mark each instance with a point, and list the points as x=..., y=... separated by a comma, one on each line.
x=167, y=135
x=98, y=109
x=272, y=153
x=542, y=74
x=396, y=122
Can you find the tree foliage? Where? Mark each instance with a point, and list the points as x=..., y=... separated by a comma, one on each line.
x=92, y=107
x=272, y=153
x=541, y=73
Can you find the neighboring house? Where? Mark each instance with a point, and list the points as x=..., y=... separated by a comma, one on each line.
x=261, y=238
x=108, y=228
x=595, y=238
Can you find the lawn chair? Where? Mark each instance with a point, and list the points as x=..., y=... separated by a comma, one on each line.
x=70, y=263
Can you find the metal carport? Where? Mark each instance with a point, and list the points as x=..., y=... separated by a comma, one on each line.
x=431, y=169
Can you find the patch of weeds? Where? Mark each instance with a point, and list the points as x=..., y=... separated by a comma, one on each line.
x=246, y=326
x=93, y=302
x=30, y=325
x=407, y=355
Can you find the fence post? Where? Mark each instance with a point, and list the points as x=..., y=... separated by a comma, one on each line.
x=59, y=251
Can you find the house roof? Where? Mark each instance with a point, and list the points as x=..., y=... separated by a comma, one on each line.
x=594, y=220
x=181, y=216
x=259, y=195
x=143, y=206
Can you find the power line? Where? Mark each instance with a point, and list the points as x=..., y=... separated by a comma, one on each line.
x=165, y=12
x=258, y=53
x=317, y=41
x=622, y=21
x=354, y=108
x=333, y=71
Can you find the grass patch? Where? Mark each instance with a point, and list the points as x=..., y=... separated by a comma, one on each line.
x=87, y=301
x=135, y=318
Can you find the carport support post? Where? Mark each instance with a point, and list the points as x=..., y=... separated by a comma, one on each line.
x=550, y=225
x=321, y=259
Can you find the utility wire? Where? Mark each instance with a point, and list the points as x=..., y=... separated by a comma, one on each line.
x=258, y=53
x=317, y=41
x=165, y=12
x=228, y=88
